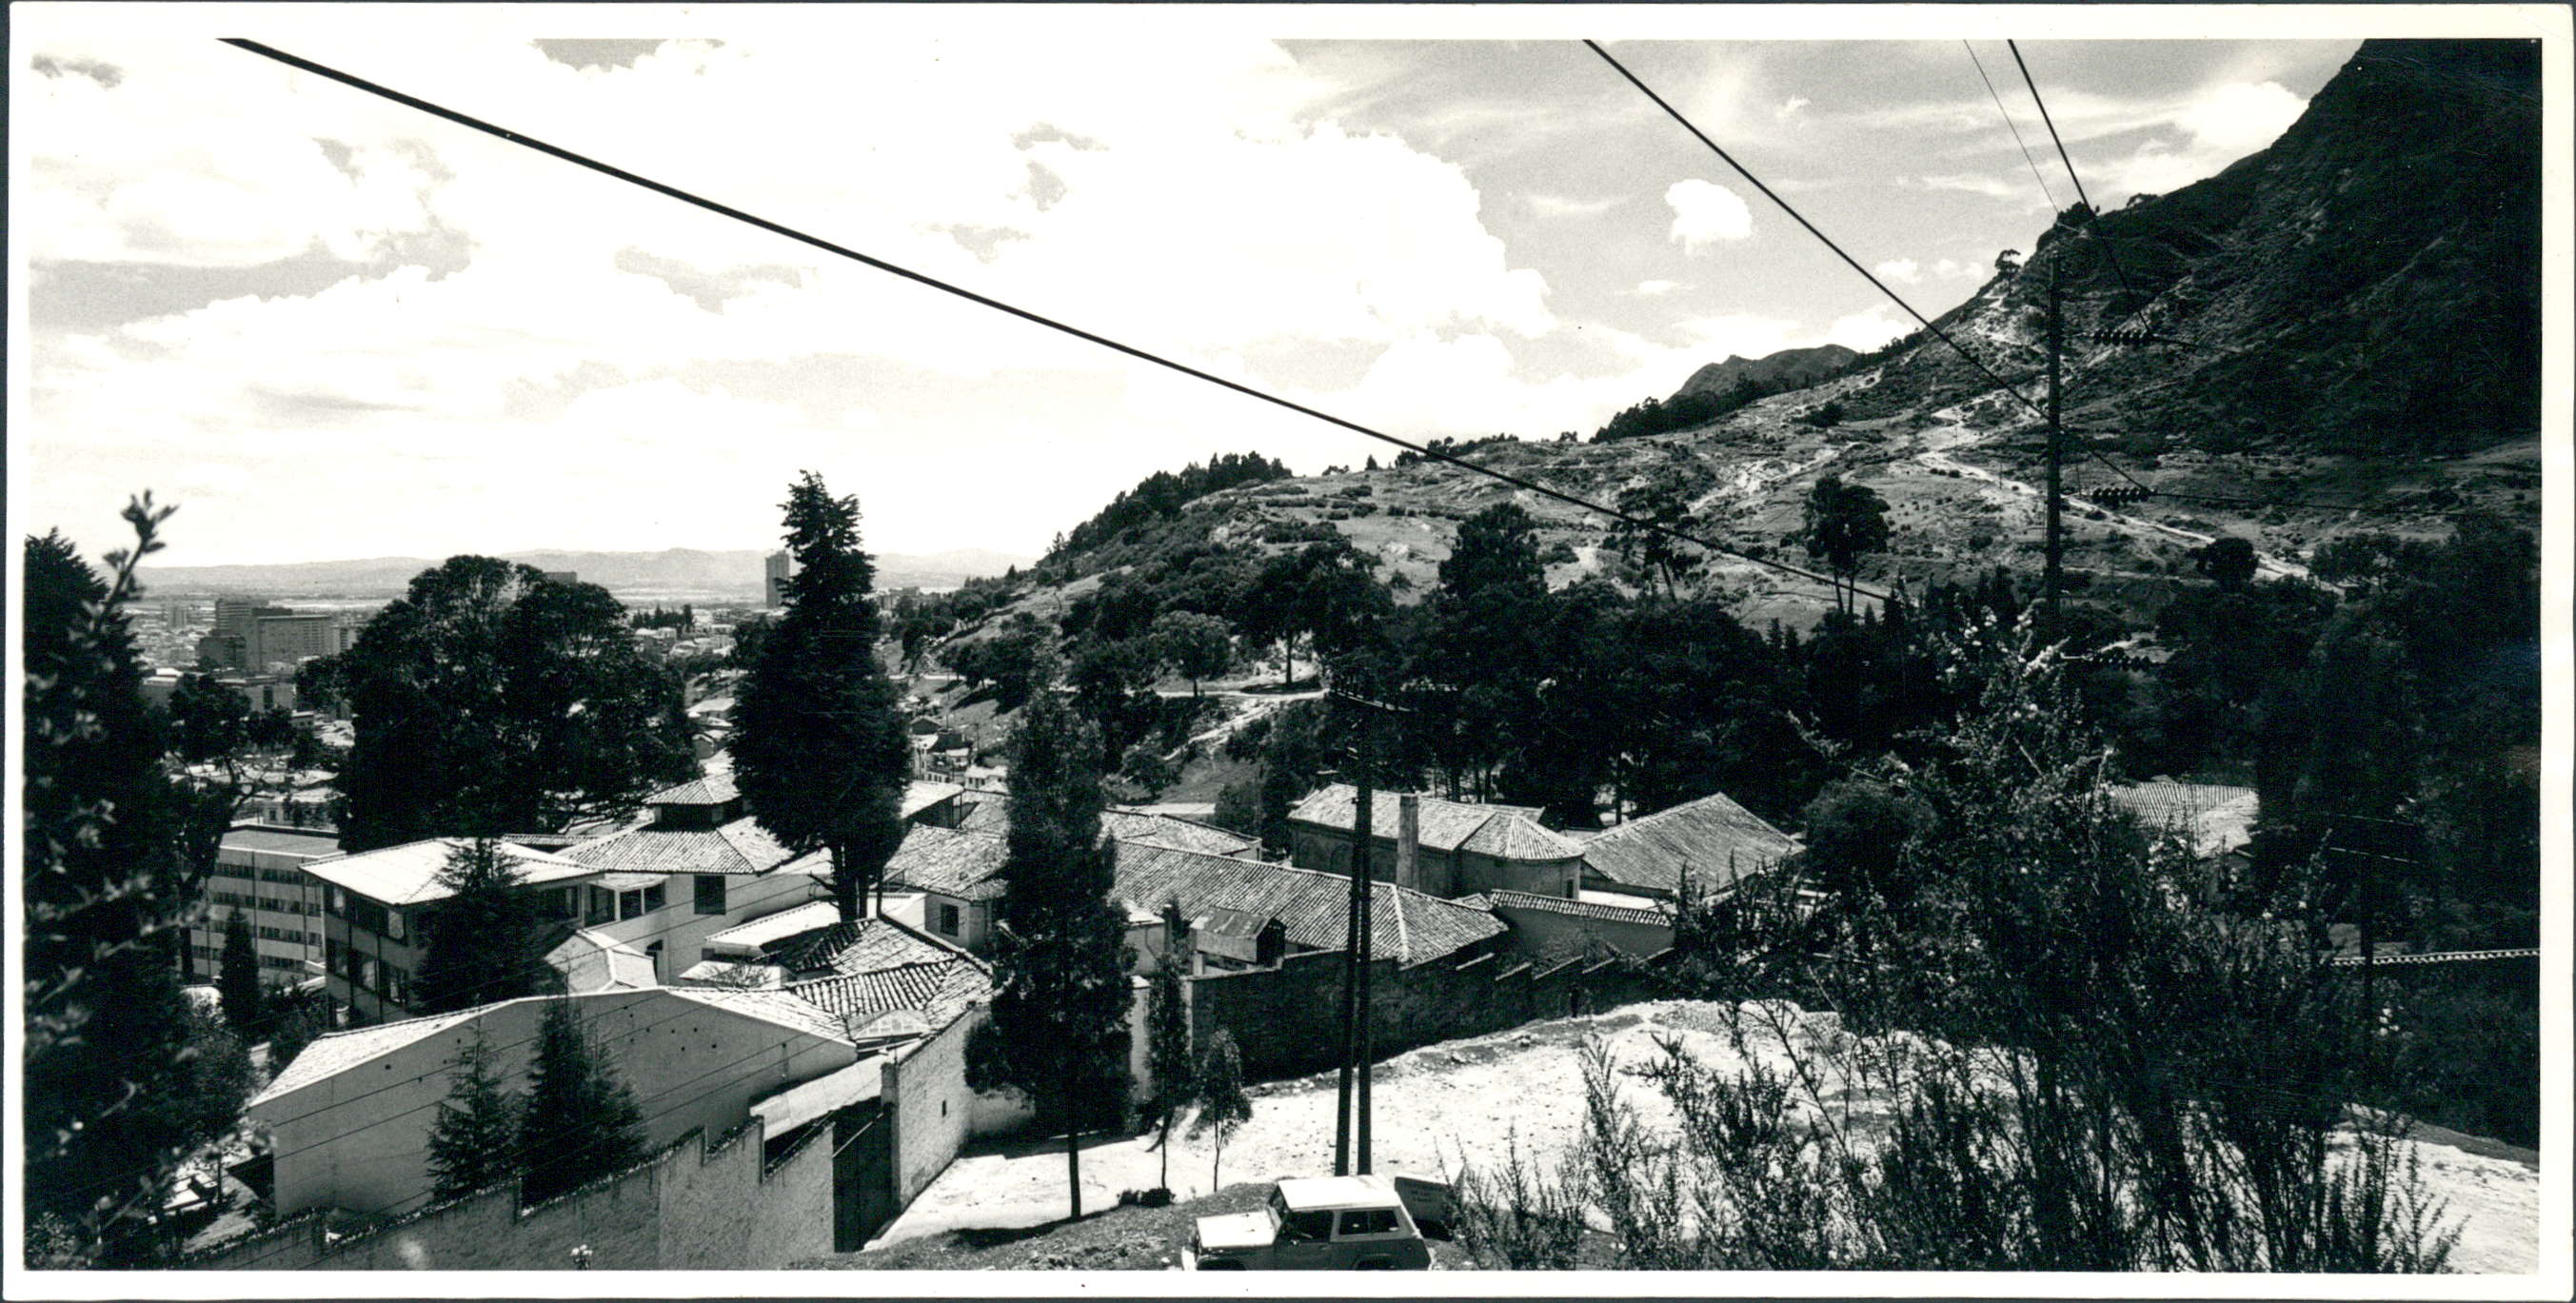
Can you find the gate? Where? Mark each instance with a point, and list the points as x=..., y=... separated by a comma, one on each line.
x=862, y=1175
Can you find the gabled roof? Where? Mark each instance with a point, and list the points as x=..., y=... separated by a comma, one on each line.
x=595, y=961
x=919, y=796
x=408, y=874
x=758, y=933
x=711, y=789
x=1404, y=925
x=991, y=814
x=939, y=991
x=1713, y=839
x=861, y=946
x=1569, y=908
x=2212, y=817
x=739, y=848
x=337, y=1052
x=1442, y=825
x=949, y=861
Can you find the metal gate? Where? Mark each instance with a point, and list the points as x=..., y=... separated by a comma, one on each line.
x=862, y=1175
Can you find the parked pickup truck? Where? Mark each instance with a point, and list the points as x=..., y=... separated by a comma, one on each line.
x=1317, y=1223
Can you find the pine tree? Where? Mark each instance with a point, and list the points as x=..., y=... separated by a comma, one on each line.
x=483, y=938
x=1223, y=1107
x=115, y=852
x=819, y=747
x=1167, y=1035
x=579, y=1122
x=237, y=976
x=474, y=1144
x=1060, y=1011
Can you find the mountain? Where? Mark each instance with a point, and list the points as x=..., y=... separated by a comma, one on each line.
x=2355, y=310
x=670, y=571
x=1788, y=368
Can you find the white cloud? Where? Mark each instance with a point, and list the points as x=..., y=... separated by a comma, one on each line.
x=1706, y=213
x=2223, y=124
x=1904, y=271
x=1651, y=289
x=1790, y=108
x=1548, y=205
x=1867, y=329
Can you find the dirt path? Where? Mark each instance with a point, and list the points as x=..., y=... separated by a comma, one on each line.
x=1935, y=454
x=1520, y=1091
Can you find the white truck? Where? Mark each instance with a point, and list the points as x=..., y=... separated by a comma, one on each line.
x=1323, y=1223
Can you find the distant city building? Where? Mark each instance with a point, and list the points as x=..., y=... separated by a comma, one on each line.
x=779, y=569
x=259, y=871
x=234, y=643
x=292, y=639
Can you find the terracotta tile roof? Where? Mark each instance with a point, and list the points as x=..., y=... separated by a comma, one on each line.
x=738, y=848
x=712, y=789
x=408, y=874
x=1571, y=908
x=1405, y=925
x=939, y=991
x=1504, y=831
x=2213, y=818
x=949, y=861
x=992, y=815
x=865, y=945
x=1713, y=838
x=775, y=1007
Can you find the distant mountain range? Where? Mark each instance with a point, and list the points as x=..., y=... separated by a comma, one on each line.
x=676, y=570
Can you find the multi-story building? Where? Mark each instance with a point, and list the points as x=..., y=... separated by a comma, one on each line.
x=259, y=871
x=292, y=639
x=776, y=572
x=378, y=908
x=235, y=638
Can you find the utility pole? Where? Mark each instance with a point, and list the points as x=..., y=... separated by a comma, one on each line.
x=2054, y=578
x=1361, y=933
x=1360, y=834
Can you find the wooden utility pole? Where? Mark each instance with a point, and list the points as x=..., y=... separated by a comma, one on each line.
x=1361, y=934
x=1352, y=965
x=2053, y=577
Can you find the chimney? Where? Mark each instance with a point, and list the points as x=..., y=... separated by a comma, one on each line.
x=1408, y=840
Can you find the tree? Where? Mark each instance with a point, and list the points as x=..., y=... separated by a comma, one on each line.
x=474, y=1142
x=1167, y=1035
x=483, y=939
x=237, y=975
x=1197, y=646
x=819, y=747
x=579, y=1122
x=1664, y=500
x=296, y=1018
x=1844, y=523
x=491, y=700
x=115, y=853
x=207, y=721
x=1223, y=1107
x=2228, y=561
x=1060, y=1005
x=2008, y=262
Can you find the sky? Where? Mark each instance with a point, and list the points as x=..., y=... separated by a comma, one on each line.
x=329, y=326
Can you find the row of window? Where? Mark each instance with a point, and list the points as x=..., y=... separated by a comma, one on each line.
x=366, y=971
x=294, y=936
x=214, y=959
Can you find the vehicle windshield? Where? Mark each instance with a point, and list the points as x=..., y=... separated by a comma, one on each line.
x=1277, y=1208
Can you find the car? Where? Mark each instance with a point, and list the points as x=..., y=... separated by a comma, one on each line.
x=1314, y=1223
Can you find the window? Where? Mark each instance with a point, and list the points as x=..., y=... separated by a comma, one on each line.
x=630, y=904
x=331, y=956
x=1368, y=1221
x=339, y=903
x=394, y=924
x=654, y=898
x=603, y=907
x=711, y=893
x=367, y=914
x=1307, y=1226
x=948, y=919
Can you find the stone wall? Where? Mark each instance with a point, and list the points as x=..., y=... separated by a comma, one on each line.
x=691, y=1206
x=1288, y=1019
x=934, y=1112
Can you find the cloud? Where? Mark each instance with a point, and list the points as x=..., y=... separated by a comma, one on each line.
x=1974, y=183
x=1867, y=329
x=1650, y=289
x=1905, y=271
x=2223, y=124
x=1548, y=205
x=1790, y=108
x=1707, y=213
x=107, y=75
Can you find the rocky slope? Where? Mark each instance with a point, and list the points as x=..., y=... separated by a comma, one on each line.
x=1788, y=367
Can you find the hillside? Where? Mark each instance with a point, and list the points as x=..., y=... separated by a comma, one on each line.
x=1790, y=367
x=670, y=571
x=2361, y=304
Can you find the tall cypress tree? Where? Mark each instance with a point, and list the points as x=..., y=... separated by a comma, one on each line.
x=1167, y=1035
x=482, y=939
x=237, y=976
x=579, y=1122
x=1060, y=1011
x=474, y=1144
x=819, y=750
x=115, y=854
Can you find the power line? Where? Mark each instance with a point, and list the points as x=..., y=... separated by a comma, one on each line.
x=1034, y=318
x=2014, y=127
x=2093, y=214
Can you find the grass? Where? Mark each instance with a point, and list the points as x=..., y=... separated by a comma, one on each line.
x=1120, y=1238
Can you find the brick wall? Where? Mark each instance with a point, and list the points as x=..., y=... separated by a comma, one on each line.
x=690, y=1206
x=934, y=1112
x=1288, y=1019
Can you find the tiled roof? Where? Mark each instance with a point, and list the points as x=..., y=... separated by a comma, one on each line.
x=2214, y=818
x=920, y=796
x=408, y=874
x=739, y=848
x=777, y=1007
x=1560, y=905
x=337, y=1052
x=949, y=861
x=1713, y=839
x=760, y=932
x=1405, y=925
x=861, y=946
x=712, y=789
x=991, y=814
x=1442, y=825
x=939, y=991
x=734, y=973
